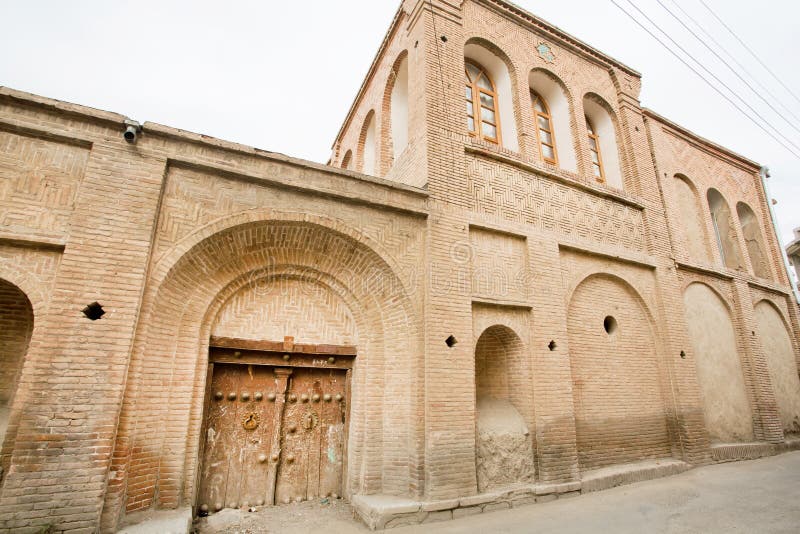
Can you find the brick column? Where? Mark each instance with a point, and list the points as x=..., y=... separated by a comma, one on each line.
x=557, y=451
x=74, y=379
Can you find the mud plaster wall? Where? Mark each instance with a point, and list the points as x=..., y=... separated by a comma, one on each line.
x=726, y=406
x=781, y=363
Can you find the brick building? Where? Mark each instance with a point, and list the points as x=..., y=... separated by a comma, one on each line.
x=509, y=279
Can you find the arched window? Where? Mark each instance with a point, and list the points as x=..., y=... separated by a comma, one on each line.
x=482, y=114
x=594, y=149
x=544, y=129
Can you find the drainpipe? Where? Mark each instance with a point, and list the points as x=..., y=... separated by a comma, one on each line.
x=764, y=173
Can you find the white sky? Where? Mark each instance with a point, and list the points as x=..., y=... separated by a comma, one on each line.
x=282, y=75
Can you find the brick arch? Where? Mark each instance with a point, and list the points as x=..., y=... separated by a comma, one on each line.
x=563, y=120
x=691, y=226
x=614, y=157
x=17, y=323
x=510, y=116
x=26, y=283
x=388, y=141
x=503, y=386
x=619, y=397
x=172, y=340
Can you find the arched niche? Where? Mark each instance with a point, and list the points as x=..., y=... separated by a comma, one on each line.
x=368, y=145
x=724, y=230
x=504, y=452
x=753, y=240
x=552, y=90
x=242, y=269
x=599, y=113
x=726, y=405
x=399, y=110
x=496, y=64
x=347, y=160
x=690, y=223
x=782, y=364
x=620, y=413
x=16, y=328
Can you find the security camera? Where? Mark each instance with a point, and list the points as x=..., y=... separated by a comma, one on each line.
x=132, y=130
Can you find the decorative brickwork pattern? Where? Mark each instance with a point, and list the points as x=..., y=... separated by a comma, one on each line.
x=39, y=181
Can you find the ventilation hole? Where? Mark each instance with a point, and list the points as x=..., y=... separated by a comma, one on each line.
x=93, y=311
x=610, y=325
x=451, y=340
x=444, y=38
x=683, y=355
x=416, y=44
x=551, y=345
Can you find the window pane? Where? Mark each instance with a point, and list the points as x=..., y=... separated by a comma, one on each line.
x=469, y=109
x=548, y=152
x=537, y=105
x=489, y=130
x=593, y=143
x=469, y=93
x=488, y=115
x=595, y=159
x=483, y=82
x=597, y=171
x=546, y=138
x=487, y=101
x=544, y=123
x=471, y=124
x=472, y=71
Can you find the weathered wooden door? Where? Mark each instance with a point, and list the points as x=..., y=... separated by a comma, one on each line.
x=312, y=436
x=273, y=435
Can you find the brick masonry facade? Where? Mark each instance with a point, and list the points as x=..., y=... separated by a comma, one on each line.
x=462, y=270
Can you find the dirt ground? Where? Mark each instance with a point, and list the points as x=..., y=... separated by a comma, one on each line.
x=322, y=516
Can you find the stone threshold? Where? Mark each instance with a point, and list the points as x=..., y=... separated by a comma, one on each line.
x=158, y=522
x=385, y=511
x=618, y=475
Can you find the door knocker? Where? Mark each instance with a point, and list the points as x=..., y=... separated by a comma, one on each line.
x=251, y=421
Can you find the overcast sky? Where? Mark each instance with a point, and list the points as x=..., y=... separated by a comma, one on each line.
x=282, y=75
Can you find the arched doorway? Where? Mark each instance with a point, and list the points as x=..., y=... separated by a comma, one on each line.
x=16, y=326
x=200, y=286
x=504, y=451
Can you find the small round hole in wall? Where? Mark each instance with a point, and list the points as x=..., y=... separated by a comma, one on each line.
x=551, y=345
x=683, y=355
x=451, y=340
x=609, y=325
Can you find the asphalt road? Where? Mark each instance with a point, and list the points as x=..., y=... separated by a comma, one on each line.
x=754, y=496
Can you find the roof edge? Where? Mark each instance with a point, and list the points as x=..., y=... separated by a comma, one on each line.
x=702, y=140
x=372, y=68
x=568, y=37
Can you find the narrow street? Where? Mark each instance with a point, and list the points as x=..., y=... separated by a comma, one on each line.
x=754, y=496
